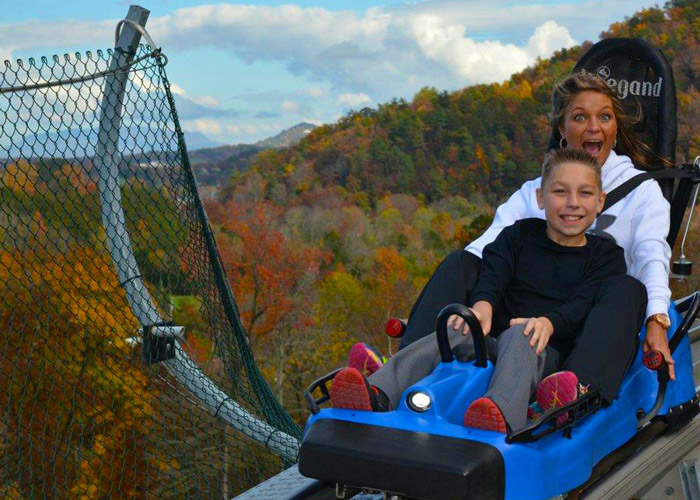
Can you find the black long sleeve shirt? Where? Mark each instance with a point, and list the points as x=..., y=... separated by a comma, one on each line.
x=525, y=274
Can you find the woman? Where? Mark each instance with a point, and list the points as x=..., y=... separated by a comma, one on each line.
x=587, y=114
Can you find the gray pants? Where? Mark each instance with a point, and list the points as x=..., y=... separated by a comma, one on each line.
x=518, y=369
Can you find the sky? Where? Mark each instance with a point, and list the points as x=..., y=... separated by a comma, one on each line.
x=246, y=71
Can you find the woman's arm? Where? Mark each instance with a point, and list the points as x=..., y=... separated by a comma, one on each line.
x=650, y=253
x=651, y=256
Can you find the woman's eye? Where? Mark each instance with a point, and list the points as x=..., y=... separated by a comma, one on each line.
x=579, y=118
x=606, y=117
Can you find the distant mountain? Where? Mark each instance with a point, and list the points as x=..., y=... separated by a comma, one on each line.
x=197, y=140
x=287, y=137
x=78, y=143
x=214, y=166
x=212, y=162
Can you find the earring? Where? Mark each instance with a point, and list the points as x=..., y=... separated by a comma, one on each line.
x=561, y=145
x=615, y=143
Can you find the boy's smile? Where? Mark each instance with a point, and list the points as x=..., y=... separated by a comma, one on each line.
x=571, y=199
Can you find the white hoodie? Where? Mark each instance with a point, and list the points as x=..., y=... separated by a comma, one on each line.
x=639, y=223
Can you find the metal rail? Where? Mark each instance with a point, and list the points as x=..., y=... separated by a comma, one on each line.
x=647, y=466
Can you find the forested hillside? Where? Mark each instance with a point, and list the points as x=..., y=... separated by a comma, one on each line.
x=325, y=240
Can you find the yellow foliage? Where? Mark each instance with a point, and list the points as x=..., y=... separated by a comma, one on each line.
x=68, y=370
x=525, y=91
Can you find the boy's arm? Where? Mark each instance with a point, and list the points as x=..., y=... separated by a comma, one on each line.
x=497, y=267
x=568, y=319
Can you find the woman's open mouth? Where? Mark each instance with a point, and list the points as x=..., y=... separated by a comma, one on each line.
x=592, y=147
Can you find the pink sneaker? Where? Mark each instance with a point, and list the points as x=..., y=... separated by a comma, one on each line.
x=557, y=390
x=484, y=414
x=364, y=359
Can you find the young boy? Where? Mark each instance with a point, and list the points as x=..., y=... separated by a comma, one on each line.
x=537, y=284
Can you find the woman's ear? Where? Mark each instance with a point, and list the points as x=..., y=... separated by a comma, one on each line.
x=540, y=199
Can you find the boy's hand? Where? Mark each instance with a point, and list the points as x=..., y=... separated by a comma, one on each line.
x=483, y=312
x=541, y=329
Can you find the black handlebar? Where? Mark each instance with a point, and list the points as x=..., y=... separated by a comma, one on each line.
x=474, y=327
x=655, y=361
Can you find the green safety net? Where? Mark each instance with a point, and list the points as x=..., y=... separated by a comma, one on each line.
x=106, y=251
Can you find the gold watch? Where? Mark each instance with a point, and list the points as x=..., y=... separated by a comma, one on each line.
x=661, y=319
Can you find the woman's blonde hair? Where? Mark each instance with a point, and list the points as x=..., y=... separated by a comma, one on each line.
x=566, y=90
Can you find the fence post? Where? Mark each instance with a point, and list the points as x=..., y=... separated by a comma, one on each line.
x=107, y=161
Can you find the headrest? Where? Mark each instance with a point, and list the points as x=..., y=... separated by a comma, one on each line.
x=641, y=76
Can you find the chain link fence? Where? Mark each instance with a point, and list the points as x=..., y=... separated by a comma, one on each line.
x=106, y=252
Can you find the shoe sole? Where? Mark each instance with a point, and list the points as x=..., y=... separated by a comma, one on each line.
x=351, y=391
x=484, y=414
x=557, y=390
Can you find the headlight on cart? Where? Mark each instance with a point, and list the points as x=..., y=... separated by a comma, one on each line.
x=419, y=401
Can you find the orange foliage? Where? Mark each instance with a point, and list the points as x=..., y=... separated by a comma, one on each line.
x=270, y=275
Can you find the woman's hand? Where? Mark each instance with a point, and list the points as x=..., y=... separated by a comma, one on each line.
x=656, y=340
x=541, y=329
x=483, y=312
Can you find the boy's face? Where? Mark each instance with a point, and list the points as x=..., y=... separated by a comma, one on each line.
x=571, y=199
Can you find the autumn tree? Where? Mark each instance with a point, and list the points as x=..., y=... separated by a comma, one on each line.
x=76, y=408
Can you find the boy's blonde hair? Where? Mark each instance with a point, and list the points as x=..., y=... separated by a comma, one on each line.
x=558, y=156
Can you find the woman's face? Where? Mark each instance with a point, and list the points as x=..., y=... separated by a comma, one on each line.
x=590, y=124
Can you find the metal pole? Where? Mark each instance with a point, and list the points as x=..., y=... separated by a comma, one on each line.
x=107, y=160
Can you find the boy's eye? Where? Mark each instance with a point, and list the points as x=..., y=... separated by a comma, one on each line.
x=559, y=190
x=586, y=193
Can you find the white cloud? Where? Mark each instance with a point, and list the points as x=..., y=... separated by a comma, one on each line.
x=289, y=106
x=202, y=125
x=548, y=38
x=61, y=34
x=353, y=100
x=6, y=53
x=176, y=89
x=382, y=52
x=206, y=100
x=250, y=129
x=315, y=92
x=467, y=59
